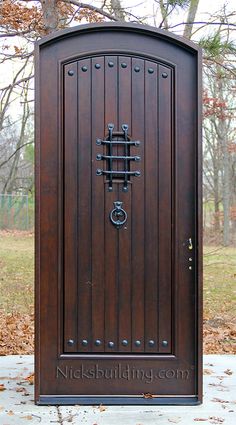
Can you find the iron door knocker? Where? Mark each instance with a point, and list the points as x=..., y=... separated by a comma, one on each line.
x=118, y=215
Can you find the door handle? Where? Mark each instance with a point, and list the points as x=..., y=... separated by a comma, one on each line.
x=190, y=244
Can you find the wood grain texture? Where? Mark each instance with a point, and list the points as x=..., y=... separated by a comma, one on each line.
x=95, y=282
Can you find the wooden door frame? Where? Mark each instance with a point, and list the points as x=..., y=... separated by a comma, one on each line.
x=196, y=51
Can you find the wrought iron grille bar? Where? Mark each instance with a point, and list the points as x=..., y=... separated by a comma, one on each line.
x=111, y=140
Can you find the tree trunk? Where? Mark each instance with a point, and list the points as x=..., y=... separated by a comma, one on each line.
x=50, y=15
x=216, y=167
x=117, y=10
x=164, y=15
x=190, y=19
x=226, y=193
x=9, y=185
x=222, y=133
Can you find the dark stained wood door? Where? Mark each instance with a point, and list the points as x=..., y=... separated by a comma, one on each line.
x=118, y=281
x=118, y=262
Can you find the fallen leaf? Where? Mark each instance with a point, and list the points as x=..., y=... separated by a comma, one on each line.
x=228, y=372
x=1, y=408
x=175, y=419
x=16, y=333
x=28, y=417
x=216, y=420
x=207, y=372
x=219, y=400
x=102, y=408
x=30, y=379
x=2, y=387
x=20, y=389
x=10, y=413
x=147, y=395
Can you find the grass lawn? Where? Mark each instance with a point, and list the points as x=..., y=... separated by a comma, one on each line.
x=219, y=283
x=16, y=272
x=17, y=289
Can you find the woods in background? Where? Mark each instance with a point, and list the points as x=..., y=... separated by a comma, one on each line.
x=23, y=22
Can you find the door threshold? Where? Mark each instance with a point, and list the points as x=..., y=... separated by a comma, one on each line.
x=118, y=400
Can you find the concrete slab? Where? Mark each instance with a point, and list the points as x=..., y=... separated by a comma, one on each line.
x=219, y=407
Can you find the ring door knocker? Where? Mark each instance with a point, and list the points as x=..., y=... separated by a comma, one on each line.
x=118, y=215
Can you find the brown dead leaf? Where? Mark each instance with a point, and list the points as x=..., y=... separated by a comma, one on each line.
x=102, y=408
x=20, y=389
x=28, y=417
x=16, y=333
x=30, y=379
x=11, y=413
x=147, y=395
x=216, y=420
x=228, y=372
x=219, y=400
x=2, y=387
x=175, y=419
x=219, y=337
x=207, y=372
x=1, y=408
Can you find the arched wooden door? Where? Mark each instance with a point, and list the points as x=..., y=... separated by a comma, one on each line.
x=118, y=264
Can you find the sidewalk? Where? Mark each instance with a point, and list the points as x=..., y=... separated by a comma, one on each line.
x=219, y=407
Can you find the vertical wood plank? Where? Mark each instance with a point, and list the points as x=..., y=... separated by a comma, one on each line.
x=151, y=206
x=124, y=234
x=165, y=205
x=97, y=124
x=84, y=205
x=138, y=212
x=70, y=207
x=111, y=234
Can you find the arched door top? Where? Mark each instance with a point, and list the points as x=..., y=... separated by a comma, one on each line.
x=108, y=27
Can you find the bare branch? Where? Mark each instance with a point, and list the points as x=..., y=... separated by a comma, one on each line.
x=16, y=83
x=11, y=156
x=93, y=8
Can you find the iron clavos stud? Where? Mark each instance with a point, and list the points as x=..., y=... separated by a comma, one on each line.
x=164, y=343
x=151, y=343
x=84, y=68
x=111, y=344
x=137, y=343
x=97, y=65
x=84, y=342
x=98, y=342
x=70, y=342
x=150, y=70
x=110, y=64
x=124, y=65
x=164, y=75
x=124, y=342
x=70, y=72
x=137, y=68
